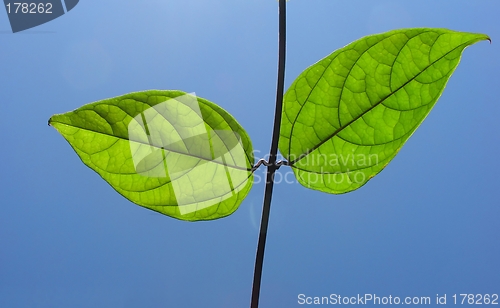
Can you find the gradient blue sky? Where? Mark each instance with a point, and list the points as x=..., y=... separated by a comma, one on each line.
x=428, y=224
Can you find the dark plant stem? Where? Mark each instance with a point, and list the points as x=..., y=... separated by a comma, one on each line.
x=271, y=169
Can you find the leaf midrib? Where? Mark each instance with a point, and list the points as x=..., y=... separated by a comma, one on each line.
x=126, y=139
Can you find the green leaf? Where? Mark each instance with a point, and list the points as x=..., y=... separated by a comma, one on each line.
x=168, y=151
x=347, y=116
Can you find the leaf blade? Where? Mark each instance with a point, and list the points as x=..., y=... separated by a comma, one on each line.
x=365, y=100
x=168, y=151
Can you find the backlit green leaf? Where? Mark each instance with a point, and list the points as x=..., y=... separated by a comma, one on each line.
x=168, y=151
x=348, y=115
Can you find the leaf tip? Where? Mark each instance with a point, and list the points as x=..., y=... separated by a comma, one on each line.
x=486, y=38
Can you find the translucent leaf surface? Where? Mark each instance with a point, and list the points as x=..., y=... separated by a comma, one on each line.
x=348, y=115
x=168, y=151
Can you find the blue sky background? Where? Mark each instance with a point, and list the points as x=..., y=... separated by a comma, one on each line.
x=428, y=224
